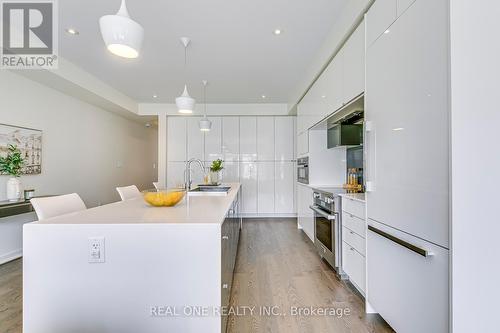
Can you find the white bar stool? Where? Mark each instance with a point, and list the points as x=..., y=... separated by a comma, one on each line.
x=128, y=192
x=59, y=205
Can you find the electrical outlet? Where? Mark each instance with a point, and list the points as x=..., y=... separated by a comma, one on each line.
x=96, y=249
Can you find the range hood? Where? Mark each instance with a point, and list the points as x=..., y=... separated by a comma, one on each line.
x=345, y=128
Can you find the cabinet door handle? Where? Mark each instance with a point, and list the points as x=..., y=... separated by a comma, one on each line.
x=409, y=246
x=225, y=237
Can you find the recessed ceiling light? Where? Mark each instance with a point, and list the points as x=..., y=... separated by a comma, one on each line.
x=277, y=32
x=72, y=31
x=263, y=96
x=324, y=96
x=155, y=96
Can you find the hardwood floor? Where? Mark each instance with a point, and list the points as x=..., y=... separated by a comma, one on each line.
x=277, y=265
x=11, y=303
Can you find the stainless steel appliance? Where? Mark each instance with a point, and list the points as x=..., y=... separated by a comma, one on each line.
x=327, y=224
x=303, y=170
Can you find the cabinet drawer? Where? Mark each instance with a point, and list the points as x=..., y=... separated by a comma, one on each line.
x=354, y=223
x=354, y=240
x=353, y=264
x=356, y=208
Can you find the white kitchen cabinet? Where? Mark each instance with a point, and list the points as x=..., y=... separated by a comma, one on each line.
x=248, y=180
x=176, y=139
x=330, y=96
x=354, y=265
x=305, y=215
x=378, y=19
x=231, y=138
x=303, y=143
x=354, y=65
x=265, y=187
x=175, y=174
x=231, y=172
x=265, y=138
x=213, y=140
x=195, y=139
x=284, y=189
x=248, y=138
x=283, y=139
x=403, y=5
x=407, y=85
x=405, y=287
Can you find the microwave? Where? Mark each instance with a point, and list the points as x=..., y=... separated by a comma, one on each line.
x=303, y=170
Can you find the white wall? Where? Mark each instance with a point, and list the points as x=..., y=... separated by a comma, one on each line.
x=475, y=165
x=82, y=146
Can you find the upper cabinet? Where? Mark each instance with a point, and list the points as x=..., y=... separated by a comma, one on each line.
x=231, y=138
x=379, y=18
x=213, y=140
x=195, y=139
x=341, y=81
x=354, y=65
x=177, y=139
x=265, y=138
x=403, y=5
x=284, y=148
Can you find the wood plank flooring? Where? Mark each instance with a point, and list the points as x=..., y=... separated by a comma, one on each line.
x=11, y=303
x=277, y=265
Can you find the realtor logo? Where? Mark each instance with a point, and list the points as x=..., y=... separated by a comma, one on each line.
x=29, y=34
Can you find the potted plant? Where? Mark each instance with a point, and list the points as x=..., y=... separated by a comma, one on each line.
x=215, y=169
x=11, y=165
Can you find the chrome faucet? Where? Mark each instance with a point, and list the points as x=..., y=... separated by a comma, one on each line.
x=187, y=172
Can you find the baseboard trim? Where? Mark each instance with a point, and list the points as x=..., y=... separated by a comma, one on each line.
x=13, y=255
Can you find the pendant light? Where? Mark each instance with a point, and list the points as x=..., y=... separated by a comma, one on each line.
x=205, y=124
x=122, y=35
x=185, y=103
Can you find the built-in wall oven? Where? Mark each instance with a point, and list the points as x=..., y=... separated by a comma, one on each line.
x=303, y=170
x=327, y=233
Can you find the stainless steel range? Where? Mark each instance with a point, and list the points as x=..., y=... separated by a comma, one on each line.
x=327, y=226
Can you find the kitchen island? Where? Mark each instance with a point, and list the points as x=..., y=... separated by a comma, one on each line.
x=166, y=269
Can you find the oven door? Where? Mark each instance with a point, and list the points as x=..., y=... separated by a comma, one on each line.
x=325, y=234
x=303, y=174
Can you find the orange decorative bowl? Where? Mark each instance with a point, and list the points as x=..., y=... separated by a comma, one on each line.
x=164, y=198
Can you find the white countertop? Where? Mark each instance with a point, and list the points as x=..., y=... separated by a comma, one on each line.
x=354, y=196
x=192, y=209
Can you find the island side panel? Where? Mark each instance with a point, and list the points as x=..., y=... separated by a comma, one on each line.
x=146, y=266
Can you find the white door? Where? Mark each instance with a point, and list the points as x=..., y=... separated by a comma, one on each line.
x=195, y=139
x=231, y=172
x=176, y=139
x=248, y=180
x=265, y=138
x=265, y=187
x=248, y=138
x=284, y=188
x=354, y=64
x=231, y=138
x=213, y=140
x=283, y=139
x=378, y=19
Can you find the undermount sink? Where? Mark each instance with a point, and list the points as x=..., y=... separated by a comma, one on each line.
x=210, y=191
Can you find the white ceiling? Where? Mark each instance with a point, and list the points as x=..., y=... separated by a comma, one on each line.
x=233, y=46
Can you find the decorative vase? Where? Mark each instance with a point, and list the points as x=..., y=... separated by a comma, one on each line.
x=214, y=177
x=13, y=189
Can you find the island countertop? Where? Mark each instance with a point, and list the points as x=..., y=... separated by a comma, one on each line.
x=192, y=210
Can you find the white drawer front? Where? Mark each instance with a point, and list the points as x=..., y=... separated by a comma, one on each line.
x=353, y=265
x=354, y=223
x=354, y=240
x=354, y=207
x=405, y=287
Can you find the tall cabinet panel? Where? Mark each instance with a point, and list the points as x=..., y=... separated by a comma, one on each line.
x=284, y=191
x=380, y=16
x=248, y=138
x=231, y=172
x=213, y=140
x=265, y=187
x=283, y=142
x=175, y=174
x=248, y=180
x=265, y=138
x=195, y=139
x=231, y=138
x=176, y=139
